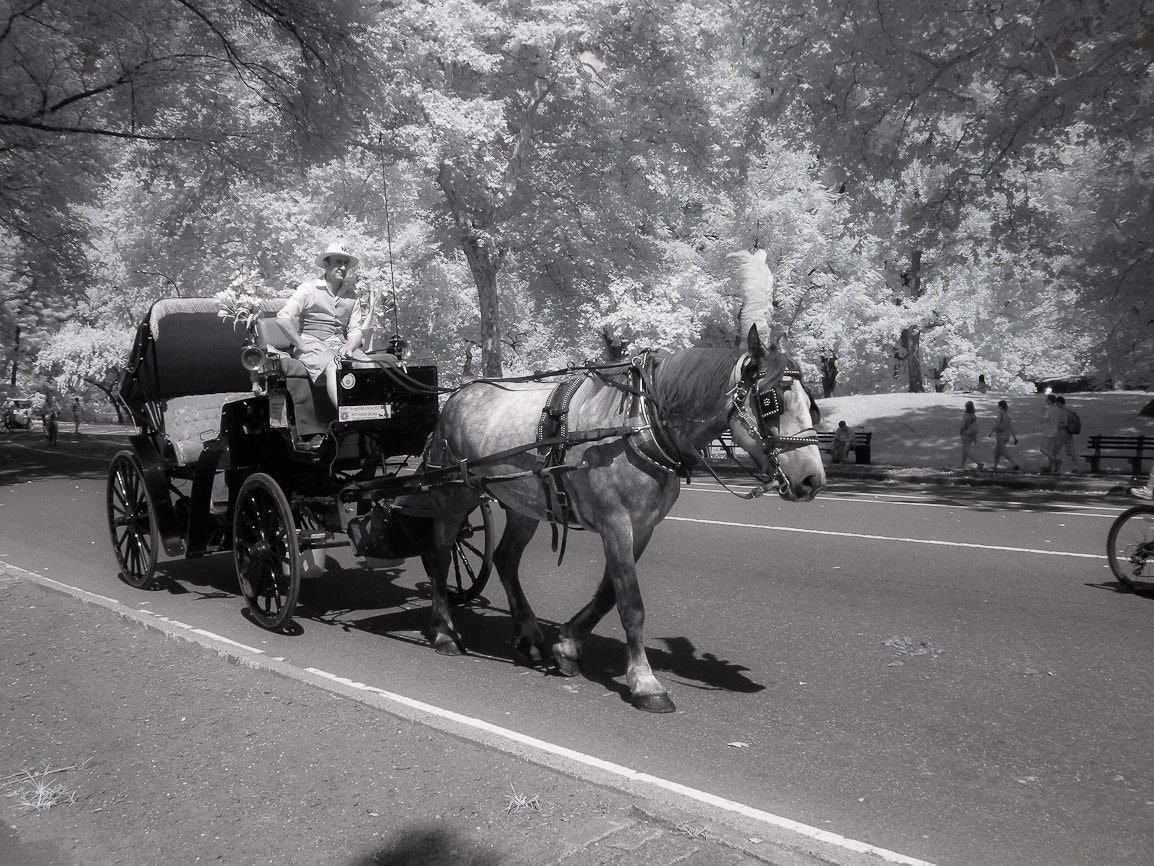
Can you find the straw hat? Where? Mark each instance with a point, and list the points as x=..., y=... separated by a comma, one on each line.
x=336, y=249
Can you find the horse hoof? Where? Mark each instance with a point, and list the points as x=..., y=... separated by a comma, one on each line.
x=446, y=646
x=530, y=651
x=566, y=667
x=660, y=703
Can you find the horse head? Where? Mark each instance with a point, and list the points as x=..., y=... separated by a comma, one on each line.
x=773, y=419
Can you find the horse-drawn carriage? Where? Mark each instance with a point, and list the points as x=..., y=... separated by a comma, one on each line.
x=237, y=449
x=246, y=457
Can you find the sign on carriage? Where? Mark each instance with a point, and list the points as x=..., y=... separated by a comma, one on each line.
x=377, y=412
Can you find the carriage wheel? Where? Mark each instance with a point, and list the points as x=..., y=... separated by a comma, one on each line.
x=266, y=551
x=1130, y=546
x=473, y=554
x=132, y=520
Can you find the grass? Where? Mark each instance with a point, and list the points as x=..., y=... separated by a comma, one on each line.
x=519, y=802
x=35, y=791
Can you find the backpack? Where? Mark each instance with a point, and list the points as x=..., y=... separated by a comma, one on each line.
x=1074, y=423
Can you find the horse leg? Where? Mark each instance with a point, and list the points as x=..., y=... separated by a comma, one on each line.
x=567, y=650
x=619, y=583
x=519, y=529
x=450, y=510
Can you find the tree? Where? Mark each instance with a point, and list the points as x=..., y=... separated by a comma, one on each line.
x=208, y=81
x=82, y=355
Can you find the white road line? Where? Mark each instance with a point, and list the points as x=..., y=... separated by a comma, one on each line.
x=105, y=601
x=629, y=773
x=853, y=498
x=930, y=541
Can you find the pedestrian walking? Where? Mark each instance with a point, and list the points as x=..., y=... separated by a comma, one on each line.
x=1003, y=432
x=1068, y=425
x=76, y=414
x=969, y=434
x=1049, y=449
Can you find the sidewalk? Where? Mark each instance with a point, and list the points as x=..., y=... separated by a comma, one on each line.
x=170, y=752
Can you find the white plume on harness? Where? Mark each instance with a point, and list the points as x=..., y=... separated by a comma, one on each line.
x=750, y=271
x=756, y=409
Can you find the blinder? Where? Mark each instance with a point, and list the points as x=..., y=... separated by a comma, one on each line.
x=768, y=404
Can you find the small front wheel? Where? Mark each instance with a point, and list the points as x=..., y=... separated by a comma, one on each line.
x=1130, y=546
x=266, y=551
x=473, y=553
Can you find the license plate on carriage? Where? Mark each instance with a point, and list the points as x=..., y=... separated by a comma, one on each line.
x=373, y=412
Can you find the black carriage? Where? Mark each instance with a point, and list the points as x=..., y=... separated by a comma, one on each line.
x=236, y=449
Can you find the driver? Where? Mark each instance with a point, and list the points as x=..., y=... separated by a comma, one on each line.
x=324, y=318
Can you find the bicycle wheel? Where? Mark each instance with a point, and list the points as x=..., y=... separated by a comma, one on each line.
x=1130, y=546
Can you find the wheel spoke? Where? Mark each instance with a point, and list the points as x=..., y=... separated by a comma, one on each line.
x=1130, y=546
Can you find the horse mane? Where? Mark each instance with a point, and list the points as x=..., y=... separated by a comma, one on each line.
x=692, y=380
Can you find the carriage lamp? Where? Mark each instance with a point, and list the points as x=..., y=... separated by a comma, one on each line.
x=253, y=358
x=399, y=348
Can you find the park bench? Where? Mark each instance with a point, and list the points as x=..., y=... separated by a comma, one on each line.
x=861, y=444
x=1133, y=449
x=862, y=440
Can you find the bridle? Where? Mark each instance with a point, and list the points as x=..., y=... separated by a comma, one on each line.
x=758, y=407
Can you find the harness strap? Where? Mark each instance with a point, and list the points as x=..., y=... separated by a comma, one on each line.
x=554, y=426
x=653, y=444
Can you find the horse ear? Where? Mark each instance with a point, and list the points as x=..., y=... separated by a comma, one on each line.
x=753, y=343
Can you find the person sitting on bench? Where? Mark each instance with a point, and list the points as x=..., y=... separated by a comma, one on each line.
x=324, y=319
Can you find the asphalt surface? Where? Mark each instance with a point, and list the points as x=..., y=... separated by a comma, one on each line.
x=631, y=824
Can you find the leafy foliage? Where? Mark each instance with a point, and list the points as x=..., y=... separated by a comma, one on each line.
x=540, y=183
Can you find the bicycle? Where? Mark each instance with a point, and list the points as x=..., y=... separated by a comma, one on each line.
x=1130, y=546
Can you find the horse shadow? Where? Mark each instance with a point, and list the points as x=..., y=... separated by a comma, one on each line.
x=487, y=631
x=486, y=626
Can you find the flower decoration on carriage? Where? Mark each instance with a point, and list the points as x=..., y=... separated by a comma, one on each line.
x=239, y=303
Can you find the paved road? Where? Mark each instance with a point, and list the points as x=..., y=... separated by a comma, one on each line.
x=945, y=673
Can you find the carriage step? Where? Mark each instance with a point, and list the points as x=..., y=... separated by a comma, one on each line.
x=318, y=539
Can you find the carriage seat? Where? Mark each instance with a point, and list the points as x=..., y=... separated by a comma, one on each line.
x=190, y=422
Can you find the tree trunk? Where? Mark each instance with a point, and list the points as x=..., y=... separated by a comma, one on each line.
x=111, y=399
x=828, y=374
x=484, y=262
x=912, y=342
x=912, y=336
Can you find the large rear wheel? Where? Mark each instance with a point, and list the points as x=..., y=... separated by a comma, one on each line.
x=266, y=551
x=473, y=553
x=132, y=520
x=1130, y=546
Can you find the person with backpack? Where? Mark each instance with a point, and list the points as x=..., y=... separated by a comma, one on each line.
x=1069, y=424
